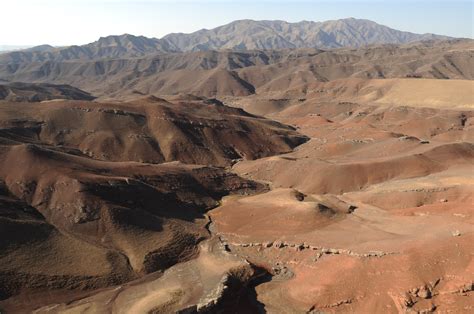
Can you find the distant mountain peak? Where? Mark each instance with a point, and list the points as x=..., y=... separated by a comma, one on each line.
x=41, y=48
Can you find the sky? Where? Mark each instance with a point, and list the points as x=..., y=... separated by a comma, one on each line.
x=67, y=22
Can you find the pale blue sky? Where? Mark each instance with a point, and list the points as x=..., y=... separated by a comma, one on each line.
x=66, y=22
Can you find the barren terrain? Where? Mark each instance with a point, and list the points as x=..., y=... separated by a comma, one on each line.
x=279, y=181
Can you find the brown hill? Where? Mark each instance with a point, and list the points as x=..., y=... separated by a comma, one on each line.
x=150, y=130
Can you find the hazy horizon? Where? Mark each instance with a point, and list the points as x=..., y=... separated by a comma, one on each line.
x=61, y=23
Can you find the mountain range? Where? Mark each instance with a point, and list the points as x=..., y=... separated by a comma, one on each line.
x=239, y=35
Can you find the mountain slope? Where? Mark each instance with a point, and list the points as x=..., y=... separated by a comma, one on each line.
x=27, y=92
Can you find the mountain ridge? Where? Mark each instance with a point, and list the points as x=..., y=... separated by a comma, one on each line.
x=240, y=35
x=278, y=34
